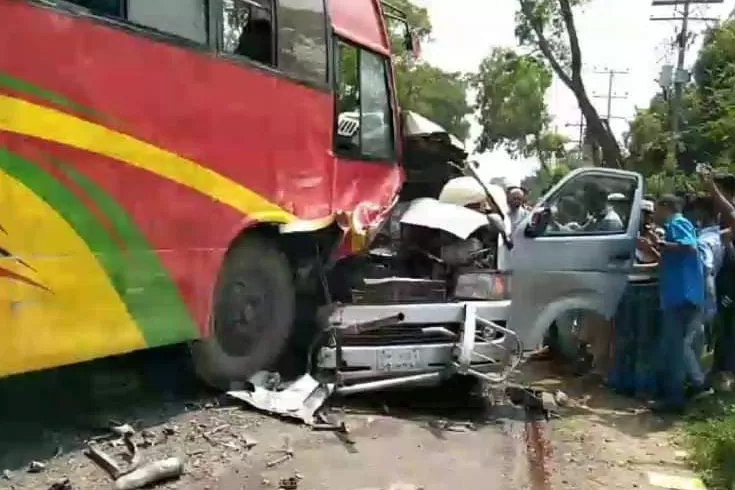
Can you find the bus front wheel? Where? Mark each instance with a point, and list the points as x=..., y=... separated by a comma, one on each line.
x=253, y=314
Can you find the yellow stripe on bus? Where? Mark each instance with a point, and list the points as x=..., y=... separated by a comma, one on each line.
x=79, y=317
x=23, y=117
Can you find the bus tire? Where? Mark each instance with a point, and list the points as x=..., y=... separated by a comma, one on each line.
x=253, y=314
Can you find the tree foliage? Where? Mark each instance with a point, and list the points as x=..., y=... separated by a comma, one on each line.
x=548, y=28
x=511, y=105
x=539, y=183
x=707, y=132
x=436, y=94
x=511, y=100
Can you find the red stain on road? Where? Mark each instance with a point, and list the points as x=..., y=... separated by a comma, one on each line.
x=538, y=454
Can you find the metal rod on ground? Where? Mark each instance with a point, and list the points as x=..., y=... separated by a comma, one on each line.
x=389, y=383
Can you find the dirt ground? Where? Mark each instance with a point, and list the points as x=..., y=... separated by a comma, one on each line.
x=417, y=438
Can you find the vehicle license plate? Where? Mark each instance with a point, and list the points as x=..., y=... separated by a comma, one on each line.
x=398, y=359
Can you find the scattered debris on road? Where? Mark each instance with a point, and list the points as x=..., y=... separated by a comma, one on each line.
x=452, y=426
x=398, y=486
x=291, y=483
x=133, y=476
x=151, y=473
x=36, y=467
x=64, y=484
x=287, y=454
x=104, y=461
x=300, y=399
x=107, y=462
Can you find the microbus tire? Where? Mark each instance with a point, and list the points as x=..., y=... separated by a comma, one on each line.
x=252, y=315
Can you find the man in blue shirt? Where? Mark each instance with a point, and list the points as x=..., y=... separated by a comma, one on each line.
x=681, y=281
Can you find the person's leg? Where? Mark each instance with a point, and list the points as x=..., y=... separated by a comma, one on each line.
x=718, y=333
x=709, y=341
x=672, y=371
x=690, y=317
x=727, y=341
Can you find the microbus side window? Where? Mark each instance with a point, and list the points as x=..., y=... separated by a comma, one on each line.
x=302, y=39
x=364, y=122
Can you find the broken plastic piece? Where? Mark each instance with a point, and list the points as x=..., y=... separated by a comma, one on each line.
x=300, y=399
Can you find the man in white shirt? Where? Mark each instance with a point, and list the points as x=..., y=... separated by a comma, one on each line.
x=712, y=255
x=517, y=207
x=648, y=230
x=604, y=218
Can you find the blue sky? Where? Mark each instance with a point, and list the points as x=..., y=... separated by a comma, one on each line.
x=614, y=34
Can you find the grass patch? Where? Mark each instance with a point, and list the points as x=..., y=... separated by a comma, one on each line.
x=709, y=435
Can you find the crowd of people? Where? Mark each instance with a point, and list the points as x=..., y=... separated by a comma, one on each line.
x=689, y=238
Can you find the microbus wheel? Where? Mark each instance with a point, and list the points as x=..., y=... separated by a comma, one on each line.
x=253, y=314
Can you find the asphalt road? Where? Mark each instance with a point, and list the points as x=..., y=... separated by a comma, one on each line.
x=420, y=437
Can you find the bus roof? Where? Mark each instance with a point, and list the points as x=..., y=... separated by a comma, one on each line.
x=360, y=21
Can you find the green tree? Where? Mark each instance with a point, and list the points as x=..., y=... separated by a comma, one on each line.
x=548, y=28
x=715, y=96
x=434, y=93
x=541, y=181
x=708, y=122
x=510, y=100
x=511, y=104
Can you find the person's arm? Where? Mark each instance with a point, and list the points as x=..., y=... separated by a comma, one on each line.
x=675, y=247
x=707, y=255
x=680, y=238
x=647, y=246
x=730, y=250
x=723, y=204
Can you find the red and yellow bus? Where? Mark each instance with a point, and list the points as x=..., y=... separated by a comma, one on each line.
x=174, y=170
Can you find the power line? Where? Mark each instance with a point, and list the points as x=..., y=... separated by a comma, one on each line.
x=611, y=95
x=681, y=76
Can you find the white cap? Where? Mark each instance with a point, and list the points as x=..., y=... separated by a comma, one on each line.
x=616, y=196
x=648, y=206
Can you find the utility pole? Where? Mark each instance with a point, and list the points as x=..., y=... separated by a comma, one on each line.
x=610, y=95
x=581, y=127
x=681, y=75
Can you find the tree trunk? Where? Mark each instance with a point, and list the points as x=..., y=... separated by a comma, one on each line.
x=540, y=154
x=611, y=155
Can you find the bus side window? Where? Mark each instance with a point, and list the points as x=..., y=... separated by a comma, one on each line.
x=376, y=118
x=302, y=39
x=109, y=8
x=247, y=29
x=183, y=18
x=364, y=119
x=348, y=100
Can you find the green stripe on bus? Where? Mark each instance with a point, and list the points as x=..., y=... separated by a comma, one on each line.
x=146, y=273
x=136, y=274
x=27, y=88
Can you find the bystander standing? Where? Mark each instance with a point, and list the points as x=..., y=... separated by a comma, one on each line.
x=648, y=231
x=682, y=294
x=517, y=207
x=711, y=253
x=724, y=327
